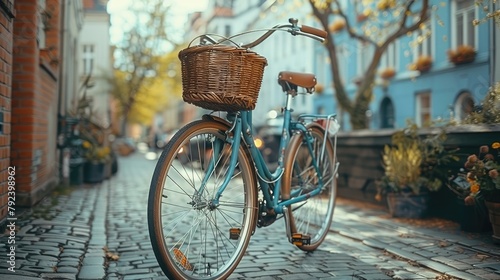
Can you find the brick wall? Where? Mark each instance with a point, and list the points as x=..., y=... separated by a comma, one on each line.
x=35, y=99
x=6, y=25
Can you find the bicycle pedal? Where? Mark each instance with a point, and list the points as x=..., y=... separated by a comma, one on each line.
x=234, y=233
x=299, y=239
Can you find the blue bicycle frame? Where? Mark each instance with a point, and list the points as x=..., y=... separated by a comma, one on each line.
x=242, y=122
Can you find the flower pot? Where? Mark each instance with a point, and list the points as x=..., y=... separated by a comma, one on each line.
x=407, y=205
x=494, y=214
x=93, y=172
x=473, y=218
x=464, y=60
x=107, y=170
x=424, y=68
x=114, y=164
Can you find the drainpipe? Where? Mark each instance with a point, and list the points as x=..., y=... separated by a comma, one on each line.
x=495, y=35
x=61, y=106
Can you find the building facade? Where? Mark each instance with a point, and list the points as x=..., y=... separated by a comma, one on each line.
x=446, y=91
x=7, y=16
x=35, y=78
x=95, y=59
x=38, y=77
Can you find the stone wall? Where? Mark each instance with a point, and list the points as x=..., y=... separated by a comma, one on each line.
x=360, y=156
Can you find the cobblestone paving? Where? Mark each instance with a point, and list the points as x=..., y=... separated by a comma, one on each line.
x=100, y=232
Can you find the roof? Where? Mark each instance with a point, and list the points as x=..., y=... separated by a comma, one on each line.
x=95, y=5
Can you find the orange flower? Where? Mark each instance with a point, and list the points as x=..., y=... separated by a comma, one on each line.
x=474, y=188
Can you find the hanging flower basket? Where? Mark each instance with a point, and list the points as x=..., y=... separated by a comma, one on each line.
x=388, y=73
x=361, y=17
x=337, y=25
x=384, y=5
x=462, y=55
x=423, y=63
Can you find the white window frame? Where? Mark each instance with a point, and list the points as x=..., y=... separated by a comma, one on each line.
x=88, y=55
x=419, y=111
x=344, y=57
x=40, y=36
x=454, y=12
x=425, y=48
x=390, y=58
x=364, y=50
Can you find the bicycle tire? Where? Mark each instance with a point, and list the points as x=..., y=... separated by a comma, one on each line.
x=312, y=217
x=190, y=237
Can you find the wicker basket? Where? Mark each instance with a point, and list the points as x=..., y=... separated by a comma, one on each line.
x=221, y=78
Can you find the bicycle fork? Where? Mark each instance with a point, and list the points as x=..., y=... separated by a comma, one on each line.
x=235, y=140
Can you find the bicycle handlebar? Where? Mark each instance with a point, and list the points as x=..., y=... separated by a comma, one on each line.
x=314, y=31
x=294, y=29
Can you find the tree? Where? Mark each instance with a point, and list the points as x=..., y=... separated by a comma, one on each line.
x=386, y=21
x=155, y=94
x=491, y=10
x=138, y=75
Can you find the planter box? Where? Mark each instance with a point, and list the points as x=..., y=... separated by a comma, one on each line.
x=360, y=156
x=93, y=172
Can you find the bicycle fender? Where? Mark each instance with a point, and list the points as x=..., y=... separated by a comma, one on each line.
x=217, y=119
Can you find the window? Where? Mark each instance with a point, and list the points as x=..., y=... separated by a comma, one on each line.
x=1, y=123
x=387, y=113
x=423, y=110
x=462, y=28
x=464, y=105
x=365, y=56
x=344, y=59
x=422, y=40
x=41, y=18
x=224, y=3
x=322, y=62
x=389, y=58
x=88, y=59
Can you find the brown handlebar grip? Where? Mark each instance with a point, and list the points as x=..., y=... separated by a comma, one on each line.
x=314, y=31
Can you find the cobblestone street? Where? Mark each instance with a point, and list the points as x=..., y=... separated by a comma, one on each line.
x=100, y=232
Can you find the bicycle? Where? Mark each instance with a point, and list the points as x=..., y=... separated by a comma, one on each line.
x=211, y=188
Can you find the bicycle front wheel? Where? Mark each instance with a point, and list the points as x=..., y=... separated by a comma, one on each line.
x=194, y=236
x=313, y=216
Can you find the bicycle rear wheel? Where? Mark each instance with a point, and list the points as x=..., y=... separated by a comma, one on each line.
x=312, y=217
x=193, y=237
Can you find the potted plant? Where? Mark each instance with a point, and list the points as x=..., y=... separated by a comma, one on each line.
x=478, y=185
x=97, y=157
x=423, y=63
x=337, y=25
x=388, y=73
x=414, y=166
x=475, y=185
x=490, y=110
x=361, y=17
x=462, y=54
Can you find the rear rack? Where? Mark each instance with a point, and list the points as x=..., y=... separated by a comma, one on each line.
x=331, y=127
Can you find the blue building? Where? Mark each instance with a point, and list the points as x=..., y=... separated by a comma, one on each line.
x=446, y=90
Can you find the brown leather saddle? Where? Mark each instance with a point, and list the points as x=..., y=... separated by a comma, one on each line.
x=290, y=81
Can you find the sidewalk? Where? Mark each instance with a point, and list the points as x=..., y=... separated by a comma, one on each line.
x=100, y=232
